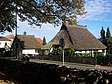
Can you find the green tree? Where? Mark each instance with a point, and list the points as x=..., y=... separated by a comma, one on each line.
x=103, y=37
x=72, y=51
x=107, y=41
x=109, y=46
x=44, y=40
x=102, y=33
x=109, y=51
x=108, y=34
x=37, y=12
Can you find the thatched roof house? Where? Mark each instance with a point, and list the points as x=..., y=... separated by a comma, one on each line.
x=29, y=41
x=77, y=37
x=25, y=44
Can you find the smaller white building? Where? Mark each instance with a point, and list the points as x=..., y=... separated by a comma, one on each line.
x=32, y=52
x=25, y=44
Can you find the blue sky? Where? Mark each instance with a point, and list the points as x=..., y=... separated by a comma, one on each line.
x=99, y=13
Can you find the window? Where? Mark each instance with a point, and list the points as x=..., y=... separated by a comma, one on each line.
x=36, y=51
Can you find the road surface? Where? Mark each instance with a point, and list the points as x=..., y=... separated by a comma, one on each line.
x=72, y=65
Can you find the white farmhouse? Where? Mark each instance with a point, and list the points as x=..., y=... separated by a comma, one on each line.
x=25, y=44
x=78, y=38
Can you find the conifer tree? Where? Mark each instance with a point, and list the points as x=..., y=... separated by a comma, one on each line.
x=44, y=40
x=109, y=42
x=108, y=34
x=103, y=38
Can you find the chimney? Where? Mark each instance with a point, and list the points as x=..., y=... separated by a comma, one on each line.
x=24, y=33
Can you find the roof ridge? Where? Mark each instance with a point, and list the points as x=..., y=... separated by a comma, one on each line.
x=77, y=26
x=25, y=35
x=63, y=27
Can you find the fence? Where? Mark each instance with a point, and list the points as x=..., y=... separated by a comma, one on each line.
x=84, y=60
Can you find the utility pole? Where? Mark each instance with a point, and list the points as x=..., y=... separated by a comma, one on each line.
x=62, y=44
x=63, y=58
x=15, y=26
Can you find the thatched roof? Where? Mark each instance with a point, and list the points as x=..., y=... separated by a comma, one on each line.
x=76, y=36
x=63, y=33
x=30, y=41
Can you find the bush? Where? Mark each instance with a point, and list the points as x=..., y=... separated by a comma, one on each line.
x=108, y=59
x=104, y=60
x=100, y=60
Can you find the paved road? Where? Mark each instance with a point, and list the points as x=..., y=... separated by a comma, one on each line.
x=72, y=65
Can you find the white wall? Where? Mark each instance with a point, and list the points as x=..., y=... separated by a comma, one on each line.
x=30, y=51
x=51, y=49
x=92, y=52
x=2, y=44
x=82, y=51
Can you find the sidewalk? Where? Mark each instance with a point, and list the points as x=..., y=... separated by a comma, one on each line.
x=107, y=67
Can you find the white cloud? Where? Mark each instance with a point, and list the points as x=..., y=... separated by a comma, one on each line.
x=98, y=9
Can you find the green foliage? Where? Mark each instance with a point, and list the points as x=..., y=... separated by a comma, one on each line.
x=56, y=51
x=102, y=33
x=109, y=46
x=99, y=53
x=44, y=41
x=37, y=12
x=109, y=43
x=103, y=38
x=100, y=60
x=104, y=60
x=107, y=40
x=71, y=50
x=108, y=34
x=83, y=54
x=99, y=57
x=60, y=51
